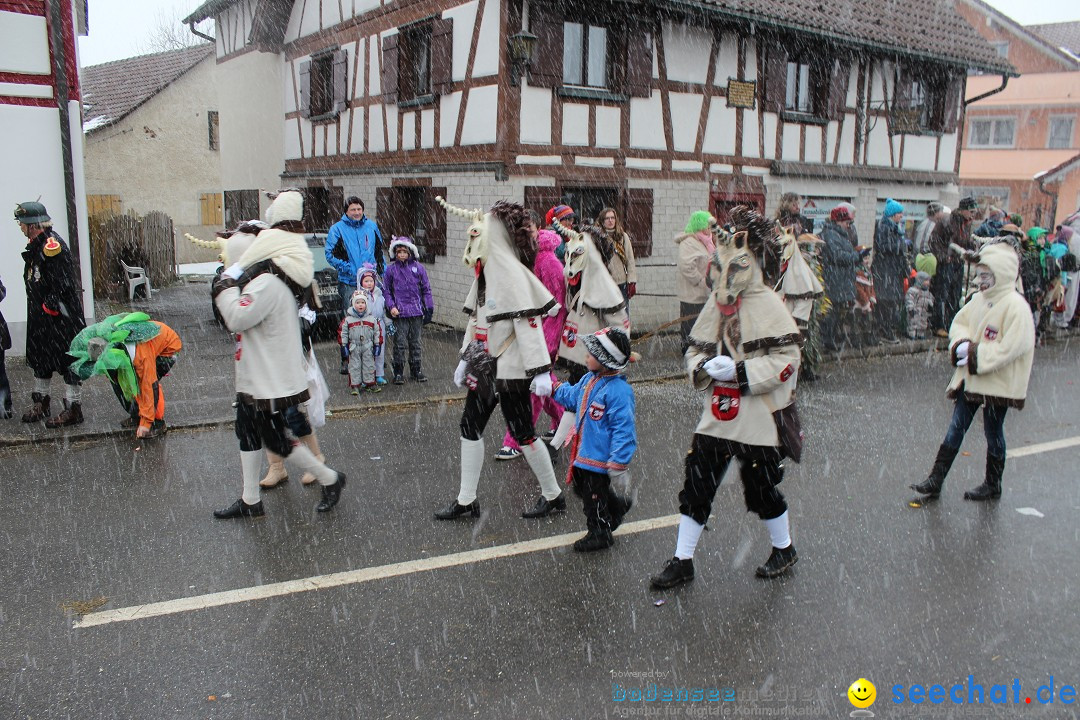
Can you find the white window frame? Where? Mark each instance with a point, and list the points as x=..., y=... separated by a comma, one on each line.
x=994, y=121
x=1072, y=132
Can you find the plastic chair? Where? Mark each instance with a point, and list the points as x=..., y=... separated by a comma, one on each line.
x=136, y=276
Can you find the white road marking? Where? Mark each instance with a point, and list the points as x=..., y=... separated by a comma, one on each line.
x=1042, y=447
x=352, y=577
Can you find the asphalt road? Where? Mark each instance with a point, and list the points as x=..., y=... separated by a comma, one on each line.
x=500, y=619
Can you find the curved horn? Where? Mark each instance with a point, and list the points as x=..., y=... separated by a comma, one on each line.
x=218, y=244
x=461, y=212
x=565, y=231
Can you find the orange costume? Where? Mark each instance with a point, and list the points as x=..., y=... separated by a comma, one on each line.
x=150, y=399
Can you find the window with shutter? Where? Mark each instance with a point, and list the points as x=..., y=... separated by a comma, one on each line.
x=546, y=24
x=925, y=100
x=540, y=199
x=413, y=211
x=638, y=219
x=435, y=222
x=326, y=77
x=341, y=81
x=776, y=69
x=390, y=68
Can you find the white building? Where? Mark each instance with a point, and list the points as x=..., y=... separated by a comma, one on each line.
x=656, y=108
x=41, y=142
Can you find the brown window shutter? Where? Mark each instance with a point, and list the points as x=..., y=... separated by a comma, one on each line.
x=637, y=219
x=341, y=80
x=442, y=55
x=335, y=204
x=384, y=200
x=435, y=222
x=638, y=61
x=840, y=73
x=953, y=88
x=305, y=89
x=547, y=25
x=775, y=78
x=541, y=199
x=390, y=68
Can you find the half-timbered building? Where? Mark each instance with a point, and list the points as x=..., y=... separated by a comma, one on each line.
x=655, y=108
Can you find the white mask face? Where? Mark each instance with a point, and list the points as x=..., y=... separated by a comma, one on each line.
x=985, y=277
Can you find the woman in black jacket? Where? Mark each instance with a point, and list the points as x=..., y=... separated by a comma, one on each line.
x=839, y=261
x=890, y=269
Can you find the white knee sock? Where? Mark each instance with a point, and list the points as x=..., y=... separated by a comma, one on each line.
x=778, y=531
x=472, y=461
x=306, y=461
x=540, y=462
x=41, y=385
x=251, y=465
x=689, y=532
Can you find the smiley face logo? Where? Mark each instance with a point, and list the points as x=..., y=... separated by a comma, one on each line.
x=862, y=693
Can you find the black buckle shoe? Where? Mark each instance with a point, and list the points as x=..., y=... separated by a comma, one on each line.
x=420, y=377
x=545, y=507
x=594, y=540
x=331, y=494
x=929, y=487
x=675, y=572
x=240, y=509
x=778, y=563
x=454, y=510
x=399, y=380
x=983, y=492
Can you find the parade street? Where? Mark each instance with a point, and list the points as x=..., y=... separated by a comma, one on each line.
x=124, y=598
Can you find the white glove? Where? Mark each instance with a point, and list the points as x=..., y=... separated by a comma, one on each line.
x=962, y=353
x=961, y=362
x=620, y=481
x=308, y=314
x=721, y=368
x=564, y=431
x=541, y=385
x=459, y=374
x=234, y=271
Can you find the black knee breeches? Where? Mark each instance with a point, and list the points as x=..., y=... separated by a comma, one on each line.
x=513, y=396
x=708, y=460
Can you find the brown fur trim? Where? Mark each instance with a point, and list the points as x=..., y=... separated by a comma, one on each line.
x=767, y=343
x=293, y=226
x=1017, y=403
x=973, y=358
x=515, y=217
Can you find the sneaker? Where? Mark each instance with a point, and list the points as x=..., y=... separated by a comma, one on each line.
x=507, y=453
x=355, y=391
x=380, y=380
x=675, y=572
x=374, y=388
x=420, y=377
x=399, y=380
x=778, y=563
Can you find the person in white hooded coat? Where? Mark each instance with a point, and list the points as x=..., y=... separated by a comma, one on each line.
x=257, y=298
x=991, y=344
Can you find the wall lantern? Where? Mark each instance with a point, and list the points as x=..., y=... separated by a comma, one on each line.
x=522, y=47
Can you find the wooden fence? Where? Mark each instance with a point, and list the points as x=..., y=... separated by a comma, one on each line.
x=145, y=242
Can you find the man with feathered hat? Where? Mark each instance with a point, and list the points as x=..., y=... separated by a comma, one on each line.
x=744, y=354
x=258, y=298
x=503, y=350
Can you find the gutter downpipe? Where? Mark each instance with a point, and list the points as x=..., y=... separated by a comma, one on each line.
x=963, y=116
x=196, y=33
x=56, y=41
x=1053, y=198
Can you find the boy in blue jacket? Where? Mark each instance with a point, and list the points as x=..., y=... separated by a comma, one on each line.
x=604, y=438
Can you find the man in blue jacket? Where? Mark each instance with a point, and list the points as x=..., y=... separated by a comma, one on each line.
x=353, y=241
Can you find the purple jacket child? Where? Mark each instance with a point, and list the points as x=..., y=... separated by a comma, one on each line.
x=407, y=288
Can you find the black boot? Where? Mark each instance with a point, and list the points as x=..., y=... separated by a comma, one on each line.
x=599, y=539
x=454, y=510
x=331, y=494
x=618, y=506
x=545, y=507
x=675, y=572
x=39, y=410
x=71, y=415
x=778, y=563
x=931, y=487
x=991, y=487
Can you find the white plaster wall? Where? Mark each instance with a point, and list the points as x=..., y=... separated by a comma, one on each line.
x=535, y=117
x=481, y=116
x=391, y=118
x=727, y=60
x=750, y=134
x=376, y=141
x=362, y=6
x=359, y=123
x=750, y=71
x=331, y=13
x=686, y=50
x=24, y=44
x=685, y=111
x=427, y=129
x=250, y=91
x=720, y=128
x=947, y=154
x=357, y=79
x=31, y=142
x=647, y=123
x=847, y=140
x=448, y=116
x=770, y=135
x=486, y=62
x=575, y=124
x=813, y=143
x=408, y=131
x=790, y=142
x=375, y=57
x=920, y=152
x=877, y=145
x=608, y=127
x=464, y=17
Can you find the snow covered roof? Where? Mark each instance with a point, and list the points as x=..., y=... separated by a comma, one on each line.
x=111, y=91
